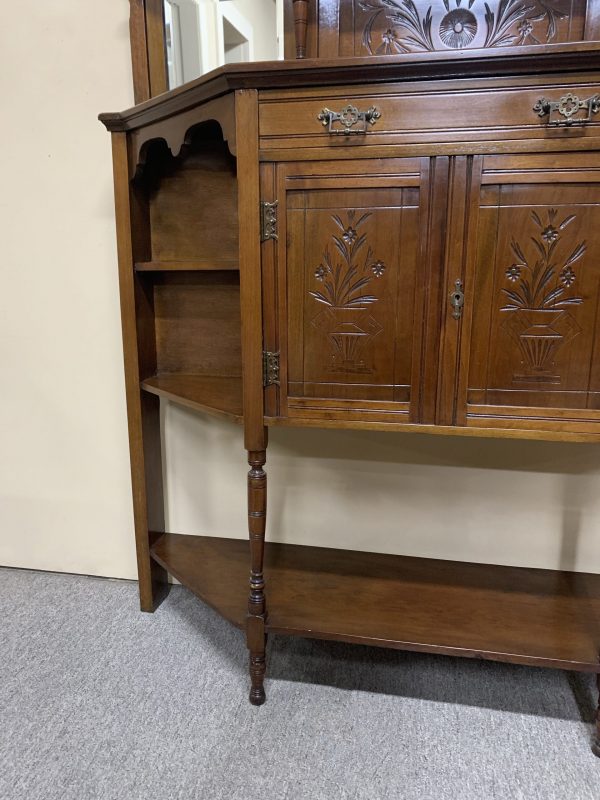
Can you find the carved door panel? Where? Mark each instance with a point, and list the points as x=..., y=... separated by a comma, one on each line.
x=531, y=357
x=349, y=308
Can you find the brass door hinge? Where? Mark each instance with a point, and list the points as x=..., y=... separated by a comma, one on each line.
x=270, y=369
x=268, y=221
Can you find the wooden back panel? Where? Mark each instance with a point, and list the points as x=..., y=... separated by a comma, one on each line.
x=355, y=28
x=197, y=319
x=193, y=206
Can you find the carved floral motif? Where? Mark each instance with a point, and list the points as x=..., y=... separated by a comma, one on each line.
x=501, y=23
x=408, y=25
x=540, y=322
x=405, y=15
x=345, y=277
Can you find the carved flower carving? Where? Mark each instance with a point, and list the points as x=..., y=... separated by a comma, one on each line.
x=345, y=281
x=550, y=234
x=525, y=29
x=513, y=273
x=567, y=276
x=543, y=277
x=390, y=43
x=349, y=236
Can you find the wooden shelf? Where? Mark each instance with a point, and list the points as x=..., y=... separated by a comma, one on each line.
x=219, y=396
x=522, y=616
x=208, y=265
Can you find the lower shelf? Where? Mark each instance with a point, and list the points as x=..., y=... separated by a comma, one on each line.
x=522, y=616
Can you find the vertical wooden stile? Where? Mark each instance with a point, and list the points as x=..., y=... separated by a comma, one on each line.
x=143, y=410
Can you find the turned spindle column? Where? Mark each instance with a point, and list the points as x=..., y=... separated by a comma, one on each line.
x=301, y=26
x=257, y=518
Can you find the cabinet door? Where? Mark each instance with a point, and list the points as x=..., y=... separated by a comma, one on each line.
x=530, y=359
x=350, y=291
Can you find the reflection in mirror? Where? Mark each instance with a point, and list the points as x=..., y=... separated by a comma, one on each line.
x=201, y=35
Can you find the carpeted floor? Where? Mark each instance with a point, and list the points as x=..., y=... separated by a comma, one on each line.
x=99, y=701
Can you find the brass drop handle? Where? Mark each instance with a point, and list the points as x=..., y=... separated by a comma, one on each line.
x=565, y=112
x=457, y=299
x=349, y=120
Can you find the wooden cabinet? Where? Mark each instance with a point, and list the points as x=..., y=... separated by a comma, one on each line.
x=498, y=331
x=410, y=244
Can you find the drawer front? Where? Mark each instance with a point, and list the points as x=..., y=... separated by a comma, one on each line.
x=430, y=113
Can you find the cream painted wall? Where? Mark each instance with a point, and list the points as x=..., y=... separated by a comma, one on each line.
x=64, y=481
x=201, y=23
x=64, y=473
x=263, y=15
x=494, y=501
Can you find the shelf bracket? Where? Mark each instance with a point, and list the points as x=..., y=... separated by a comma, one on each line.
x=270, y=369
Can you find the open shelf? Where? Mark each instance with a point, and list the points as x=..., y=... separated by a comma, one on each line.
x=209, y=264
x=218, y=396
x=513, y=614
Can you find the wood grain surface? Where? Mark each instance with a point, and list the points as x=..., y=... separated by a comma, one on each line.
x=521, y=616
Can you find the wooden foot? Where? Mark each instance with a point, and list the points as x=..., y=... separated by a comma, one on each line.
x=257, y=677
x=596, y=740
x=255, y=622
x=154, y=586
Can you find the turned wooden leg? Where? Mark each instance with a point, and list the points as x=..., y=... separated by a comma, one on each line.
x=255, y=624
x=596, y=742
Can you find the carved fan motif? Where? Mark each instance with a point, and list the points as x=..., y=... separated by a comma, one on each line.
x=458, y=28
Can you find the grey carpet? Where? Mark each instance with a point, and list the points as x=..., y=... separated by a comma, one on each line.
x=99, y=701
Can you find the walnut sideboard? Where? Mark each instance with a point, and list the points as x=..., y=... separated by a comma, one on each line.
x=409, y=243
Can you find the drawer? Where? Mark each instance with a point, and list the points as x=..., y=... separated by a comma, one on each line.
x=428, y=113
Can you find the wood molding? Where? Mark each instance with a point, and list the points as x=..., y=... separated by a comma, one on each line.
x=499, y=62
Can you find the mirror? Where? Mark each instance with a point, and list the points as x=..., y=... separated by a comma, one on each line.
x=201, y=35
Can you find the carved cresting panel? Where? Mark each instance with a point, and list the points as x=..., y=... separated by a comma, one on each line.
x=389, y=27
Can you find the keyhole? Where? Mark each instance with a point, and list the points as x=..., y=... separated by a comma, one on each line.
x=457, y=299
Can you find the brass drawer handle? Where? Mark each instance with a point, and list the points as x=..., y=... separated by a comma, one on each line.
x=563, y=112
x=350, y=119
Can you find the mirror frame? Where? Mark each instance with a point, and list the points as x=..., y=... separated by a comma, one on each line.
x=148, y=52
